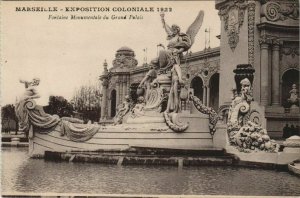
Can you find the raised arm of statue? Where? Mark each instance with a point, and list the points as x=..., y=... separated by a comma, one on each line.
x=166, y=27
x=26, y=83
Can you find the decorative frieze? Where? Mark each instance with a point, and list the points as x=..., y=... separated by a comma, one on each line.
x=290, y=51
x=233, y=16
x=280, y=11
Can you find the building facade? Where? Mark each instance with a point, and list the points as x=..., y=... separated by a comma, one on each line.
x=262, y=33
x=200, y=71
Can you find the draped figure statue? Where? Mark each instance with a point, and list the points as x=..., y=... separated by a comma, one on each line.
x=169, y=59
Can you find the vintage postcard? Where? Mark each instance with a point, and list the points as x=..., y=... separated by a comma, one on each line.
x=150, y=98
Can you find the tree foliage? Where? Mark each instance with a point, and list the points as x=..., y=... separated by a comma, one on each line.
x=86, y=102
x=60, y=106
x=8, y=115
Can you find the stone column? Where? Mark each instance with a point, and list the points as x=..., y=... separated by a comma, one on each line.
x=128, y=85
x=104, y=99
x=124, y=86
x=275, y=73
x=104, y=79
x=208, y=97
x=121, y=92
x=264, y=69
x=204, y=95
x=109, y=108
x=117, y=92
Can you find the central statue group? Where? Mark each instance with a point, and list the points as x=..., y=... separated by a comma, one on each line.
x=164, y=78
x=168, y=60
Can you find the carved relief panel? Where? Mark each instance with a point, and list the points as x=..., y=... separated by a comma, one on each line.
x=280, y=11
x=289, y=57
x=233, y=16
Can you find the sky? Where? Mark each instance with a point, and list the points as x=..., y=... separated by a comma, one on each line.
x=66, y=54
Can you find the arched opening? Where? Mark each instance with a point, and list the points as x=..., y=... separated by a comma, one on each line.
x=197, y=85
x=214, y=91
x=113, y=97
x=289, y=78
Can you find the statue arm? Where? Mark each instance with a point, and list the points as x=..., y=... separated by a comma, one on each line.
x=143, y=81
x=26, y=83
x=165, y=26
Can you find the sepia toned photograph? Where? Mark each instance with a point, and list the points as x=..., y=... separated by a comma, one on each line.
x=150, y=98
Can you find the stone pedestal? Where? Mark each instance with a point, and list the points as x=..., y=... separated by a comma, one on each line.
x=220, y=138
x=292, y=145
x=164, y=81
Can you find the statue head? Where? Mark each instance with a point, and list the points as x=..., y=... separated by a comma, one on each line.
x=127, y=98
x=245, y=85
x=294, y=86
x=175, y=29
x=35, y=82
x=140, y=99
x=154, y=63
x=246, y=91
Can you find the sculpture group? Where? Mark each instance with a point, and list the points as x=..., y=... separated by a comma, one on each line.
x=159, y=95
x=159, y=91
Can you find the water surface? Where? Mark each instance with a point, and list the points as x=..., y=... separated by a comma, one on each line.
x=22, y=174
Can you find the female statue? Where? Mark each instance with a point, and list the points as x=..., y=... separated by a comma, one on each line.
x=294, y=95
x=122, y=111
x=147, y=80
x=169, y=60
x=30, y=91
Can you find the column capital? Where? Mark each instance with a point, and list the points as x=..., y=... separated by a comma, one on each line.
x=265, y=41
x=276, y=43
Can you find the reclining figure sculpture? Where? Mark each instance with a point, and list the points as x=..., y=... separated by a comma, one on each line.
x=32, y=116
